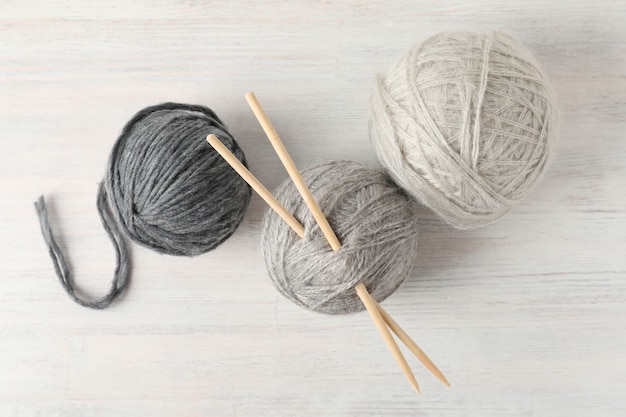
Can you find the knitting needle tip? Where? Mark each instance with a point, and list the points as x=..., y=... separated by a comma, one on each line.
x=416, y=387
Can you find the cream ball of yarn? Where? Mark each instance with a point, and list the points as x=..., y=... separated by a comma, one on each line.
x=466, y=123
x=375, y=222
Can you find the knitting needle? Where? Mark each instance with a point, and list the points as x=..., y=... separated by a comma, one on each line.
x=370, y=305
x=295, y=175
x=322, y=221
x=410, y=343
x=255, y=184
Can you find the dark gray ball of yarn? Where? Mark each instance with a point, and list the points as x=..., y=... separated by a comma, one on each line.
x=169, y=189
x=165, y=188
x=375, y=222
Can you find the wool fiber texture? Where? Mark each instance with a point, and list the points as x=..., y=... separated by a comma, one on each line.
x=165, y=188
x=375, y=222
x=465, y=122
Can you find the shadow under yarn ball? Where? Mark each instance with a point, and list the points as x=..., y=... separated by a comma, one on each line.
x=466, y=123
x=375, y=222
x=164, y=188
x=170, y=190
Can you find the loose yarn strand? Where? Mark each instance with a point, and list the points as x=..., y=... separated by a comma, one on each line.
x=120, y=275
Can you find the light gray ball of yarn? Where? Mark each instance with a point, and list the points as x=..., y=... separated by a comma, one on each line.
x=465, y=122
x=375, y=222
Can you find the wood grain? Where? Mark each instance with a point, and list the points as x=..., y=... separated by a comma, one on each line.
x=526, y=317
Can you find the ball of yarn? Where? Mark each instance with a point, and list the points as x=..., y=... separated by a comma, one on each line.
x=169, y=189
x=375, y=222
x=165, y=188
x=465, y=122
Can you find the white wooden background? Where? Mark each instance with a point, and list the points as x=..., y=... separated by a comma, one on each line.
x=526, y=317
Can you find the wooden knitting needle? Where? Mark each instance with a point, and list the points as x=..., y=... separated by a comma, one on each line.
x=370, y=305
x=255, y=184
x=296, y=177
x=410, y=343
